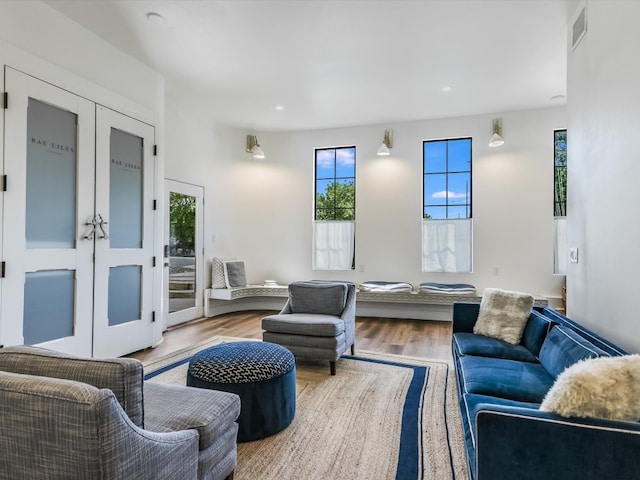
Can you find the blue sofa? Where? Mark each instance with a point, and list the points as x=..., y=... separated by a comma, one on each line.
x=500, y=388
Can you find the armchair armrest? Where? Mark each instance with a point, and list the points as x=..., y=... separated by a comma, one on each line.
x=465, y=315
x=527, y=444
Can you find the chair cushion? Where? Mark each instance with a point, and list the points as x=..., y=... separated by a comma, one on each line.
x=479, y=345
x=304, y=324
x=171, y=408
x=317, y=297
x=510, y=379
x=563, y=347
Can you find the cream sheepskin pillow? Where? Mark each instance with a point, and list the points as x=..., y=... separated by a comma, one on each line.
x=503, y=314
x=603, y=387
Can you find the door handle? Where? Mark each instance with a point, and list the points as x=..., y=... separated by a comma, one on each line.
x=101, y=224
x=93, y=224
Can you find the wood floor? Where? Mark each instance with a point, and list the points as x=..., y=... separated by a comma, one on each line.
x=418, y=338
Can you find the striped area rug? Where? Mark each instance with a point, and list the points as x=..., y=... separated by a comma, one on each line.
x=381, y=417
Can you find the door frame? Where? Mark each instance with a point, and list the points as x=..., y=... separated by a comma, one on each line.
x=196, y=311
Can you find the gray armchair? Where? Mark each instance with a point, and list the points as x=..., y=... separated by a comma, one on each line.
x=69, y=417
x=318, y=321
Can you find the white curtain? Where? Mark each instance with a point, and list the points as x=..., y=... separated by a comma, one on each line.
x=333, y=245
x=560, y=247
x=447, y=245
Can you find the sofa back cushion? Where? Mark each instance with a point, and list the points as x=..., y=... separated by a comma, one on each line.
x=326, y=298
x=123, y=376
x=563, y=347
x=535, y=332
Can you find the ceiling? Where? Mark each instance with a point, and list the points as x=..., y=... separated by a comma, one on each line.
x=336, y=63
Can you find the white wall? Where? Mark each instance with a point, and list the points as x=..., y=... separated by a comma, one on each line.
x=604, y=169
x=38, y=29
x=261, y=211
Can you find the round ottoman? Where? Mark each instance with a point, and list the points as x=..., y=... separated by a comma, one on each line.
x=263, y=375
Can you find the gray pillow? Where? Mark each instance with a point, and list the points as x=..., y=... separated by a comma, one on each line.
x=234, y=274
x=319, y=298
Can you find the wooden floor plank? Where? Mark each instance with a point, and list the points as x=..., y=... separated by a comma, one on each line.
x=418, y=338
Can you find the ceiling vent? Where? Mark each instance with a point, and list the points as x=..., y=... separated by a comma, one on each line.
x=579, y=28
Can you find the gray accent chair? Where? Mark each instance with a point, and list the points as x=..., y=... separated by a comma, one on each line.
x=70, y=417
x=317, y=322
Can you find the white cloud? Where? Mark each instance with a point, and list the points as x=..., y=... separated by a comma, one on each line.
x=447, y=194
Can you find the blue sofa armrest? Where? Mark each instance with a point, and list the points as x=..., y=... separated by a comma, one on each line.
x=514, y=442
x=465, y=315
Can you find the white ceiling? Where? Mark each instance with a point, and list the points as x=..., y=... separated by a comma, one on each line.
x=334, y=63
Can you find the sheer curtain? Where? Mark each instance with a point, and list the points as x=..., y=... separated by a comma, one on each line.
x=333, y=245
x=560, y=247
x=447, y=245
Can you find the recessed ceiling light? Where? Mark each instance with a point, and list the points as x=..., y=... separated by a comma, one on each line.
x=446, y=89
x=155, y=18
x=279, y=108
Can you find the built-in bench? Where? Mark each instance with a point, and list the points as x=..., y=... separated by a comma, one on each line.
x=422, y=306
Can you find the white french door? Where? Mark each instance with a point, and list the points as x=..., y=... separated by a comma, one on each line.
x=123, y=296
x=184, y=257
x=61, y=213
x=47, y=291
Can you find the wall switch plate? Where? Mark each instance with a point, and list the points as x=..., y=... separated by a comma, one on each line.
x=573, y=254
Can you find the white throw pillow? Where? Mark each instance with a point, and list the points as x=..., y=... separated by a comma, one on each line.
x=603, y=387
x=217, y=273
x=503, y=314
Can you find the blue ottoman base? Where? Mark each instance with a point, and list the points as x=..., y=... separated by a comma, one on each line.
x=269, y=404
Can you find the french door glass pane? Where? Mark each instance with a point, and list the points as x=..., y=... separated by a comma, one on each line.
x=48, y=306
x=125, y=195
x=124, y=294
x=52, y=138
x=182, y=260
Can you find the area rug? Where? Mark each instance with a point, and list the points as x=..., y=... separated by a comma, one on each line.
x=380, y=417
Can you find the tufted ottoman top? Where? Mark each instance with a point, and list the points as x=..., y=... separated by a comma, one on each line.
x=241, y=362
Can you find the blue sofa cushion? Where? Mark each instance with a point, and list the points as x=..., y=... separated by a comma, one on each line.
x=563, y=347
x=535, y=332
x=479, y=345
x=510, y=379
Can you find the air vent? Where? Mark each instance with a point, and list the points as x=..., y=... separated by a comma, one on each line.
x=579, y=28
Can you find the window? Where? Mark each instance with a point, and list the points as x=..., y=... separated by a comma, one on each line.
x=560, y=247
x=446, y=210
x=335, y=208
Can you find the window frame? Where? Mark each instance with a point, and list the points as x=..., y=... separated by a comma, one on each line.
x=447, y=172
x=332, y=232
x=560, y=246
x=447, y=242
x=335, y=180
